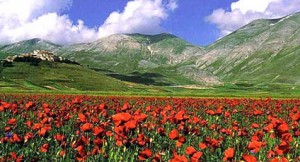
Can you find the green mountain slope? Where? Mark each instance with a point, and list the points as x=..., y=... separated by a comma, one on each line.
x=27, y=46
x=134, y=56
x=264, y=51
x=60, y=76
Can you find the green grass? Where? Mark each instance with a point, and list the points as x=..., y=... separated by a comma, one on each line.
x=58, y=76
x=283, y=68
x=227, y=91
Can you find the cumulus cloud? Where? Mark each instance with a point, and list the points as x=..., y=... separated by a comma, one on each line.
x=139, y=16
x=27, y=19
x=244, y=11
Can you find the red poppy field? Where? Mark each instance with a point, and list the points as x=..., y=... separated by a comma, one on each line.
x=86, y=128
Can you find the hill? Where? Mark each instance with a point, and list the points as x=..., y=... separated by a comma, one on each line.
x=42, y=70
x=146, y=59
x=261, y=54
x=27, y=46
x=264, y=51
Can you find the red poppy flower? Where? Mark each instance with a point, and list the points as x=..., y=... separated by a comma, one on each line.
x=29, y=105
x=126, y=106
x=296, y=116
x=82, y=117
x=15, y=157
x=140, y=117
x=271, y=153
x=181, y=139
x=141, y=140
x=161, y=131
x=283, y=128
x=257, y=112
x=16, y=138
x=178, y=158
x=190, y=150
x=202, y=146
x=37, y=126
x=62, y=153
x=81, y=151
x=102, y=106
x=44, y=148
x=178, y=144
x=213, y=142
x=255, y=146
x=145, y=154
x=86, y=127
x=283, y=159
x=119, y=143
x=283, y=148
x=174, y=134
x=226, y=114
x=28, y=124
x=249, y=158
x=254, y=125
x=287, y=137
x=12, y=121
x=121, y=117
x=228, y=154
x=98, y=142
x=219, y=111
x=84, y=140
x=42, y=132
x=59, y=137
x=98, y=130
x=77, y=100
x=157, y=158
x=180, y=115
x=109, y=133
x=210, y=112
x=2, y=108
x=28, y=136
x=196, y=156
x=131, y=124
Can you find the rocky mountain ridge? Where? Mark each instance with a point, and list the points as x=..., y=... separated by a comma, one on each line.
x=263, y=51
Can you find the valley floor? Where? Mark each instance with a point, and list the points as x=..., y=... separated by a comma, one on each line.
x=182, y=91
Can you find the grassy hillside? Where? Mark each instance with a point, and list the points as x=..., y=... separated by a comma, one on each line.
x=27, y=46
x=262, y=52
x=57, y=76
x=143, y=59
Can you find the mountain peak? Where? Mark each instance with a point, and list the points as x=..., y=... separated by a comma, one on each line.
x=27, y=46
x=152, y=35
x=36, y=39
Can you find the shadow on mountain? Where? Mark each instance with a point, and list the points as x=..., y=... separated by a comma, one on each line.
x=142, y=78
x=101, y=70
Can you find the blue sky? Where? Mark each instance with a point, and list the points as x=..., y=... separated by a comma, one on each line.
x=187, y=21
x=200, y=22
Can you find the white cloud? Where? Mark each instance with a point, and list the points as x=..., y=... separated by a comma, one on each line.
x=27, y=19
x=172, y=5
x=244, y=11
x=139, y=16
x=52, y=27
x=254, y=5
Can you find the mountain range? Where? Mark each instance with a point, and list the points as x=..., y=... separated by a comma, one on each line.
x=263, y=52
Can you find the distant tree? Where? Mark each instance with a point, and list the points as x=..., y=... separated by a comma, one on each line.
x=7, y=64
x=34, y=62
